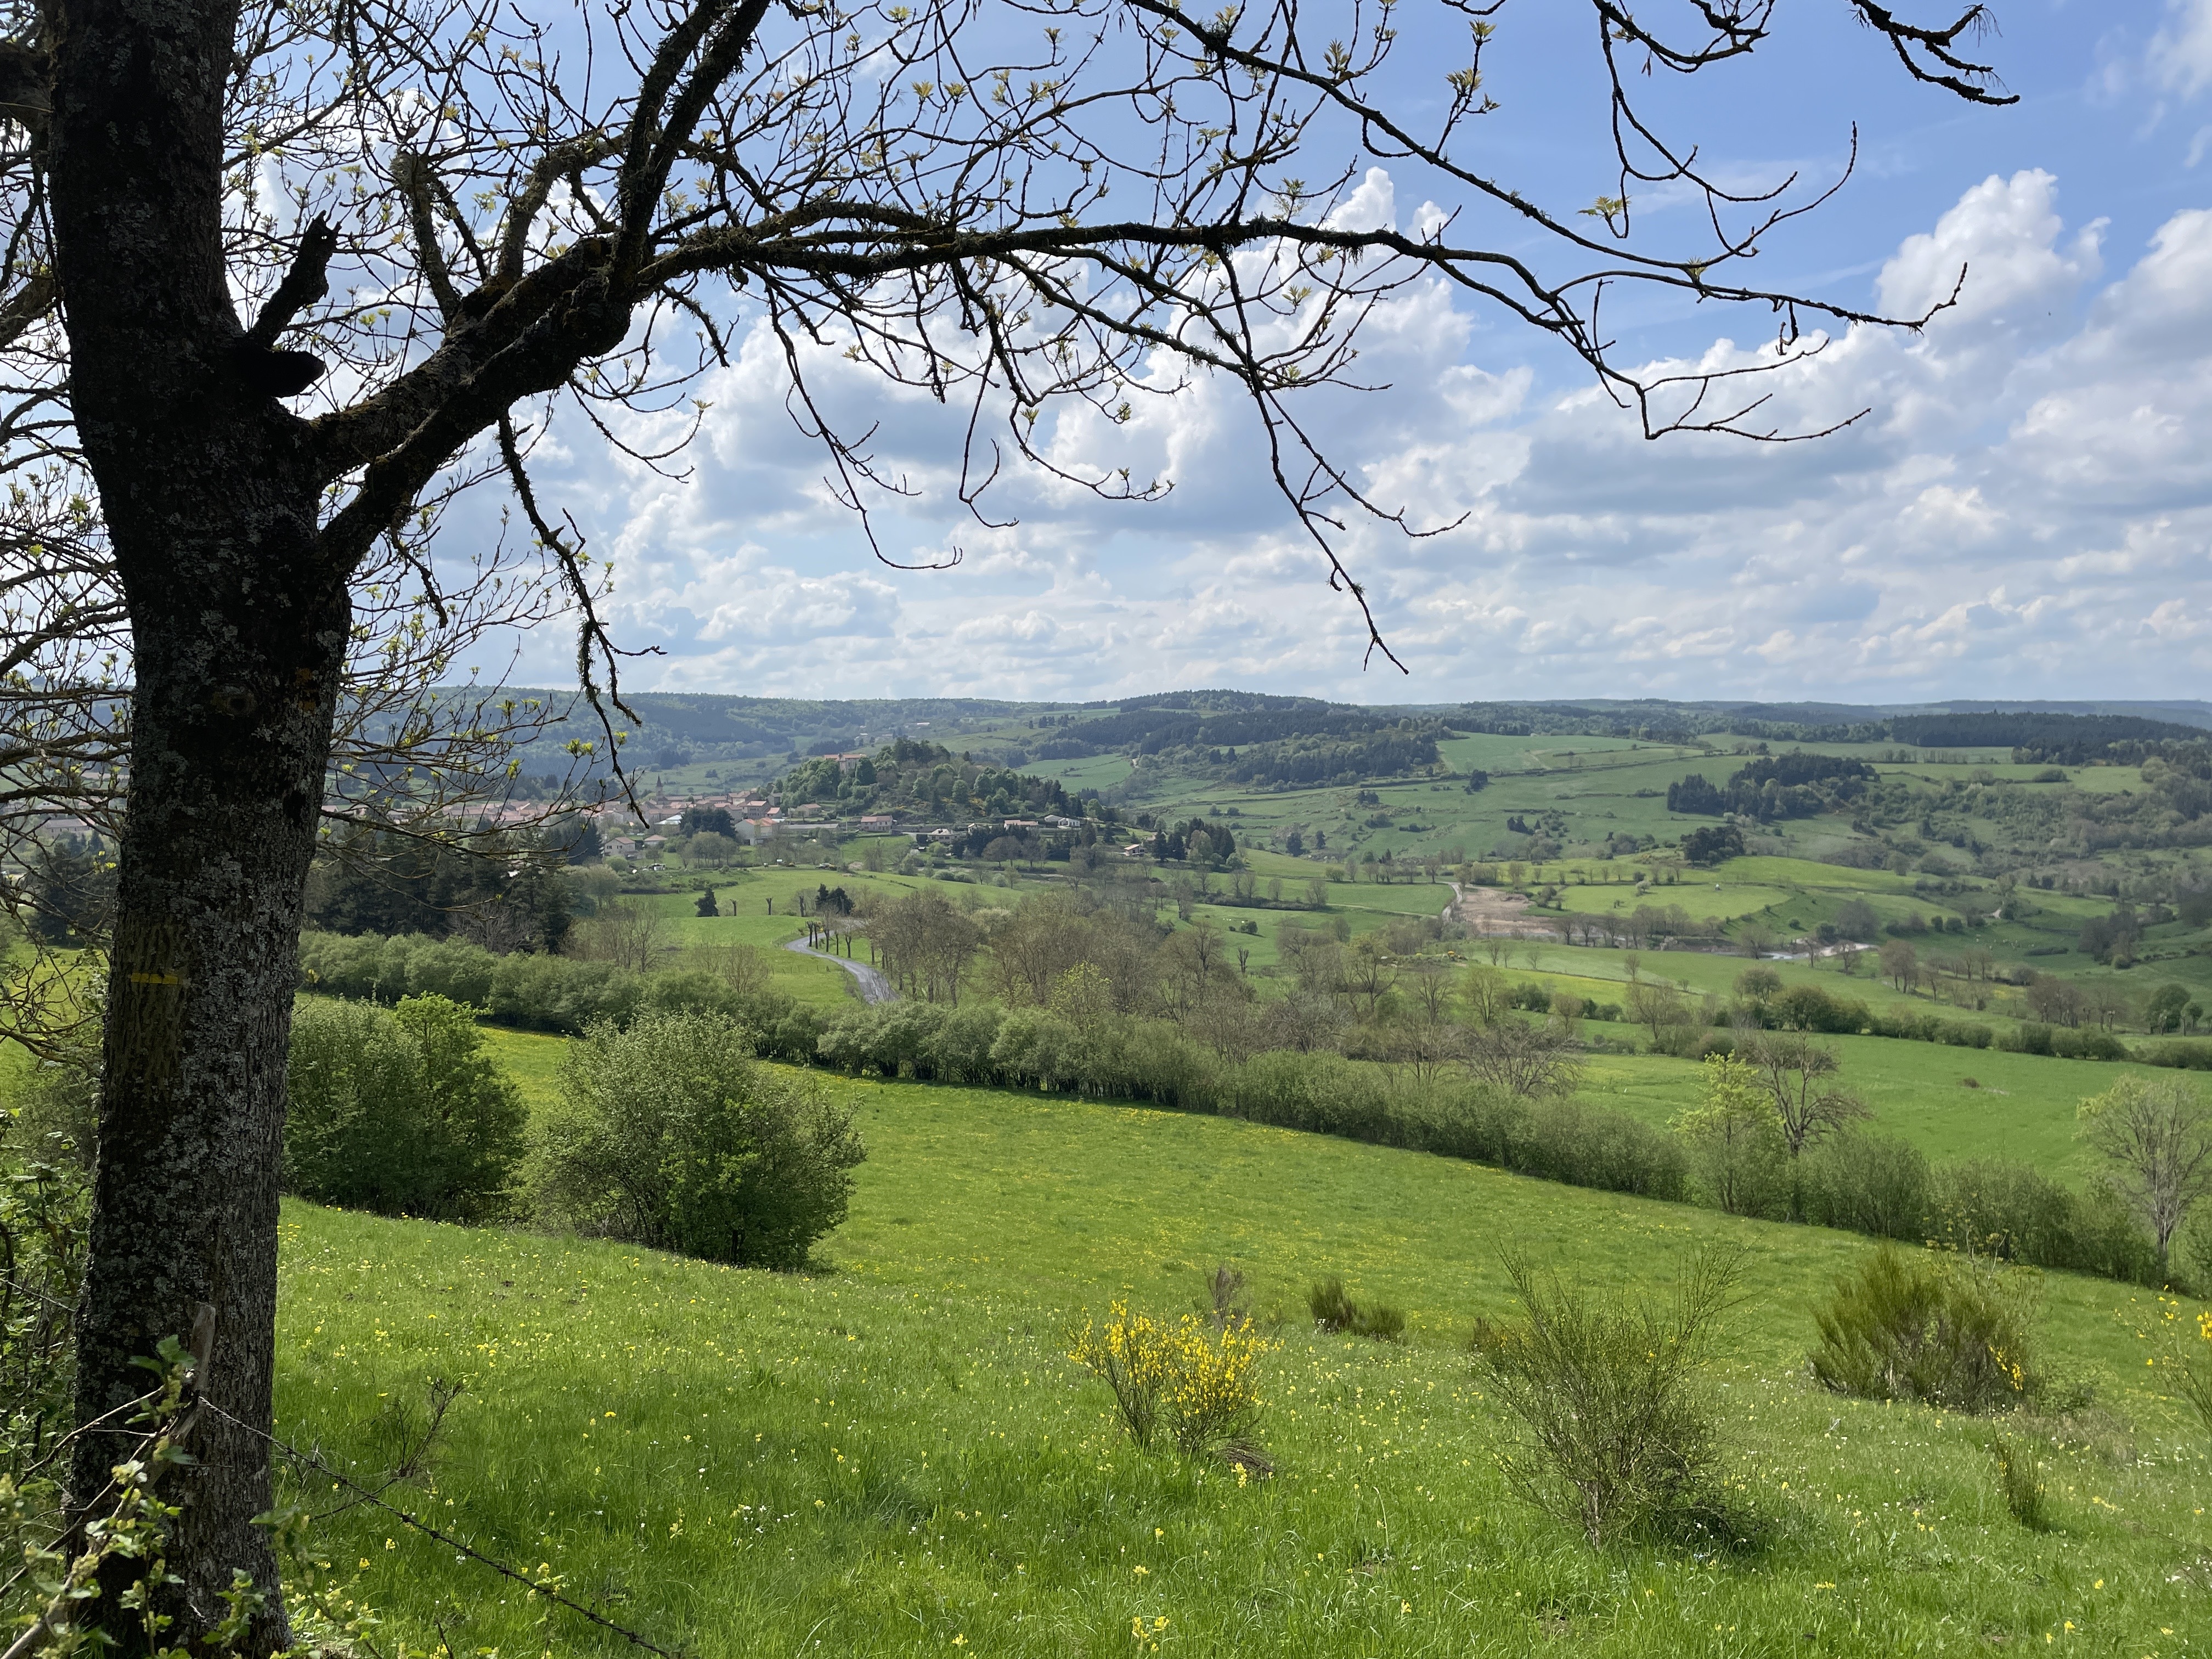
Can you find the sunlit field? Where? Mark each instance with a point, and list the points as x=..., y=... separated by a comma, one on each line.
x=891, y=1455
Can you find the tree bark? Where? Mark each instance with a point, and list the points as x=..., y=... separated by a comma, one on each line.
x=240, y=629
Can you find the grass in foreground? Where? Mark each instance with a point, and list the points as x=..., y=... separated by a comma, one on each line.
x=893, y=1456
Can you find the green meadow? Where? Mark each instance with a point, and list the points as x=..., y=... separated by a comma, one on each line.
x=1952, y=1103
x=890, y=1454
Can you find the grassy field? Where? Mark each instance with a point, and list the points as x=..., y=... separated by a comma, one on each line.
x=1601, y=973
x=2019, y=1106
x=891, y=1455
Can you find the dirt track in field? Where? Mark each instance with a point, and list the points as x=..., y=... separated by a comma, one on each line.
x=1495, y=910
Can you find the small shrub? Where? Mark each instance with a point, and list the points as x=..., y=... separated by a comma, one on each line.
x=2020, y=1481
x=1334, y=1310
x=57, y=1112
x=1918, y=1326
x=667, y=1134
x=1197, y=1380
x=1225, y=1292
x=1131, y=1354
x=1622, y=1438
x=1213, y=1396
x=46, y=1207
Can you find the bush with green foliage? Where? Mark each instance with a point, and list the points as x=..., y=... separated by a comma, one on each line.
x=2192, y=1250
x=1622, y=1437
x=55, y=1112
x=1334, y=1310
x=1922, y=1325
x=399, y=1110
x=1873, y=1184
x=2013, y=1213
x=2183, y=1056
x=1907, y=1026
x=667, y=1133
x=1735, y=1144
x=2031, y=1038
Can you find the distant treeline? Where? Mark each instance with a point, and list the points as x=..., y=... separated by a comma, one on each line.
x=676, y=728
x=507, y=890
x=1792, y=785
x=1151, y=730
x=1387, y=752
x=1274, y=740
x=2039, y=739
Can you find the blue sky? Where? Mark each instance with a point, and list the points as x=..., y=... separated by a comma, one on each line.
x=2027, y=511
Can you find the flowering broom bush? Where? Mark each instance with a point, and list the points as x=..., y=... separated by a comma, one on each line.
x=1196, y=1379
x=2196, y=1371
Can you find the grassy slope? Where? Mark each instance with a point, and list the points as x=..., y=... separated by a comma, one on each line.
x=892, y=1455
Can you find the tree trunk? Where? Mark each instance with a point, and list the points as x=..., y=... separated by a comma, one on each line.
x=240, y=629
x=232, y=728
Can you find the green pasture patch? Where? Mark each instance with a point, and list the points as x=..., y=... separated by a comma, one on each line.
x=1696, y=892
x=532, y=1059
x=1299, y=871
x=1265, y=948
x=1417, y=897
x=2105, y=780
x=1697, y=971
x=2022, y=1111
x=1495, y=754
x=1091, y=772
x=892, y=1456
x=1805, y=873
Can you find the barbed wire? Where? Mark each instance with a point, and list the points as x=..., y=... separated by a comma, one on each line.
x=533, y=1585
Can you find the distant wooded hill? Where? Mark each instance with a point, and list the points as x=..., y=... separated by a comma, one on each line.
x=1266, y=740
x=2044, y=739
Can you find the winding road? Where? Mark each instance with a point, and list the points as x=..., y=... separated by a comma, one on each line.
x=874, y=987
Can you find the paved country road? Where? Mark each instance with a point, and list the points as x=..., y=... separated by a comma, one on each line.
x=874, y=987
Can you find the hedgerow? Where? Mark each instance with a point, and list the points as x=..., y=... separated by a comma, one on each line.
x=1859, y=1182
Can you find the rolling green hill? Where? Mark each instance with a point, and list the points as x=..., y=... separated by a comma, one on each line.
x=890, y=1456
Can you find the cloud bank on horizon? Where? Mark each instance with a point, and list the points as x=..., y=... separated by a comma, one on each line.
x=2024, y=512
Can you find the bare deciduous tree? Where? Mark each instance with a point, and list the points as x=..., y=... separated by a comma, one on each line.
x=1668, y=1014
x=1800, y=1075
x=1525, y=1060
x=926, y=944
x=439, y=220
x=625, y=932
x=2156, y=1133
